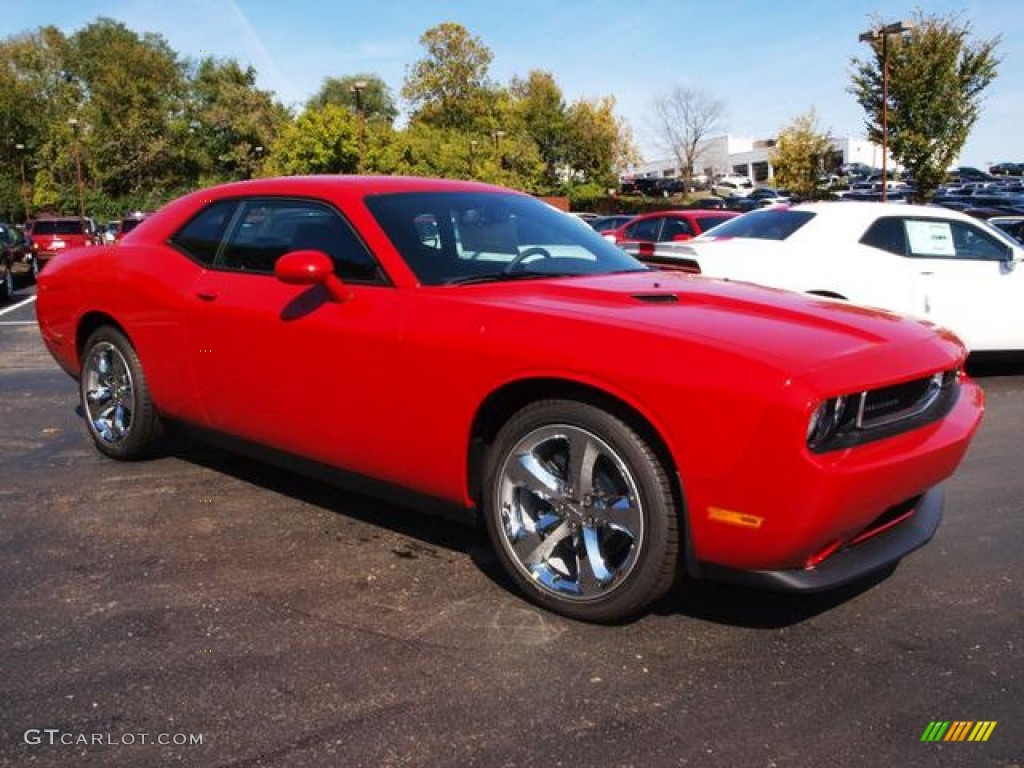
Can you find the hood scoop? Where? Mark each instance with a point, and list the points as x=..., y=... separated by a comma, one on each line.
x=657, y=298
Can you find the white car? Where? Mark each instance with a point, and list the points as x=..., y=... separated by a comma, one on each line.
x=733, y=185
x=925, y=261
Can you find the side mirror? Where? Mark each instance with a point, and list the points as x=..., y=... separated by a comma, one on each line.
x=681, y=237
x=311, y=268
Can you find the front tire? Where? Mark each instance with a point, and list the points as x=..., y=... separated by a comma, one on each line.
x=580, y=511
x=115, y=399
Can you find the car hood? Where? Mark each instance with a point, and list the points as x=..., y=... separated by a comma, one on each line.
x=797, y=333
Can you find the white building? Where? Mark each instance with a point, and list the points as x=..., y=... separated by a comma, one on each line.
x=752, y=158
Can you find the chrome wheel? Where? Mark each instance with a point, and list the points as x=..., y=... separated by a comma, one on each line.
x=108, y=393
x=570, y=512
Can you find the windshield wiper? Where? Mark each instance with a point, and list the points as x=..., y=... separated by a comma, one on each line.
x=498, y=277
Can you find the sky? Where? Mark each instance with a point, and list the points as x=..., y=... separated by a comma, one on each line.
x=768, y=62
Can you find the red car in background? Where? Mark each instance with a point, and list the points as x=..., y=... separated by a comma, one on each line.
x=54, y=234
x=640, y=235
x=613, y=425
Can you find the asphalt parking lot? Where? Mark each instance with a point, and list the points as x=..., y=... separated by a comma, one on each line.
x=288, y=623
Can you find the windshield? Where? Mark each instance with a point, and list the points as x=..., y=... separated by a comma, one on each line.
x=57, y=227
x=763, y=225
x=462, y=237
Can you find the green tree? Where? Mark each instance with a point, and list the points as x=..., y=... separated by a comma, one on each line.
x=231, y=123
x=374, y=95
x=448, y=88
x=936, y=75
x=35, y=103
x=321, y=140
x=132, y=85
x=802, y=152
x=598, y=144
x=541, y=110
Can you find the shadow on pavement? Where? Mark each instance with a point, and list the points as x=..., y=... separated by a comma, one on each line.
x=706, y=601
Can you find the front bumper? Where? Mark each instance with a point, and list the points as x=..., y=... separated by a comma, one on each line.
x=850, y=564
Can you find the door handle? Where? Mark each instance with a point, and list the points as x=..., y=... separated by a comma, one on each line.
x=207, y=294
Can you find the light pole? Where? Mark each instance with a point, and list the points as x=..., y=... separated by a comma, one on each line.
x=73, y=122
x=357, y=88
x=24, y=187
x=472, y=158
x=883, y=32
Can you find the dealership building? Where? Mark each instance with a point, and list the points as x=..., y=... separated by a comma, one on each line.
x=752, y=158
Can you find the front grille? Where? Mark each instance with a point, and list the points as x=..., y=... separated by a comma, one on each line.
x=879, y=407
x=878, y=413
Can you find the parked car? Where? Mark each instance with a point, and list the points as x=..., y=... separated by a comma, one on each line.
x=109, y=231
x=643, y=232
x=967, y=173
x=857, y=171
x=612, y=424
x=128, y=223
x=607, y=223
x=53, y=235
x=931, y=262
x=765, y=196
x=733, y=185
x=1007, y=169
x=17, y=260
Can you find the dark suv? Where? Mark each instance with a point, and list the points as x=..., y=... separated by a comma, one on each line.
x=52, y=235
x=16, y=258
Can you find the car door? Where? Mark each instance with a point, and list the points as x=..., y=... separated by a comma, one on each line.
x=287, y=366
x=966, y=281
x=640, y=236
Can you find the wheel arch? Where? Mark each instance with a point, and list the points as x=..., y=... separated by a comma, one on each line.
x=87, y=324
x=501, y=404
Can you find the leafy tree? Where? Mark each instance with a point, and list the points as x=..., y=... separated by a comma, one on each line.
x=801, y=154
x=541, y=110
x=131, y=84
x=685, y=118
x=321, y=140
x=597, y=142
x=449, y=87
x=34, y=101
x=375, y=96
x=936, y=75
x=232, y=122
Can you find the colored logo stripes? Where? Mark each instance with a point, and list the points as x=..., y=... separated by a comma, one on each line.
x=958, y=730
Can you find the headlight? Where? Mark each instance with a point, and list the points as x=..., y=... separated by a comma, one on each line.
x=828, y=420
x=847, y=420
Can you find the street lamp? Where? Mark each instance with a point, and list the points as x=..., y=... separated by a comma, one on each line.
x=24, y=187
x=357, y=88
x=872, y=35
x=73, y=122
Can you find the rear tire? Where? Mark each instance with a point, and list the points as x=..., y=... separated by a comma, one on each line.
x=580, y=512
x=115, y=399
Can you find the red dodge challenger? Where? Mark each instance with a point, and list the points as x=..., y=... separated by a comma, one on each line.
x=612, y=425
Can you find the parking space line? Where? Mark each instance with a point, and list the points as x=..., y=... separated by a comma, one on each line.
x=17, y=322
x=19, y=305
